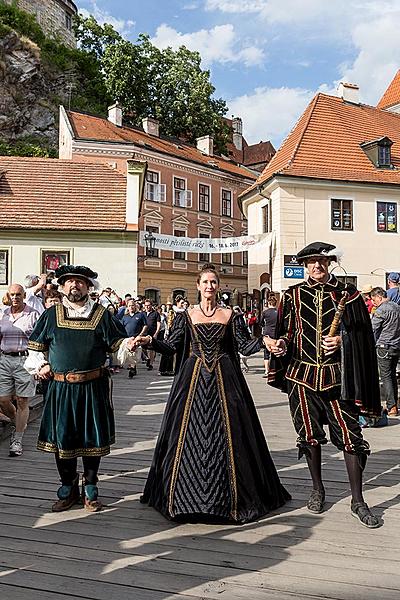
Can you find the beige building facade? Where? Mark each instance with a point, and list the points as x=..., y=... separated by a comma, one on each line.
x=300, y=212
x=336, y=179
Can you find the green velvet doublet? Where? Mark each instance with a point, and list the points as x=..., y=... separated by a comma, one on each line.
x=78, y=418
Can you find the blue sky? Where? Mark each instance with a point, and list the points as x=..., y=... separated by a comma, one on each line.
x=269, y=57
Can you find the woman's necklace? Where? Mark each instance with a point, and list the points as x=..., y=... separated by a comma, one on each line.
x=211, y=315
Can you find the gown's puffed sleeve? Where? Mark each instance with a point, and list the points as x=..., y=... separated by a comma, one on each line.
x=246, y=345
x=175, y=338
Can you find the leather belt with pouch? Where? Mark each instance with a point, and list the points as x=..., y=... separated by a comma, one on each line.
x=80, y=376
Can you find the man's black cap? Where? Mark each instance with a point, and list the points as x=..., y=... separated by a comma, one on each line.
x=66, y=271
x=321, y=249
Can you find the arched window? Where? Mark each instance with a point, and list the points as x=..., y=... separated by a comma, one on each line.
x=153, y=294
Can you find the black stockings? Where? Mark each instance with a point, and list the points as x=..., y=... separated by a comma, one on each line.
x=355, y=464
x=313, y=456
x=67, y=469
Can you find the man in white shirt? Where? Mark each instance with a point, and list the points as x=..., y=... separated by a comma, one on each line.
x=34, y=286
x=16, y=324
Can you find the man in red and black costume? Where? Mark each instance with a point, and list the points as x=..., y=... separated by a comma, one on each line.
x=329, y=377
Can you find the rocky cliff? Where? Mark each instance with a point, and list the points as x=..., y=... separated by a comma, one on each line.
x=29, y=93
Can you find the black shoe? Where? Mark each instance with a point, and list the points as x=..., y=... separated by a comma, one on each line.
x=361, y=511
x=316, y=501
x=149, y=367
x=132, y=372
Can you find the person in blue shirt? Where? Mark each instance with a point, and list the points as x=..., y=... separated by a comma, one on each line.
x=122, y=309
x=135, y=323
x=393, y=292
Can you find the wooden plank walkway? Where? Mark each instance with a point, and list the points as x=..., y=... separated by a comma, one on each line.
x=129, y=551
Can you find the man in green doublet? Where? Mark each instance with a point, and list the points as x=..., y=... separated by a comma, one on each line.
x=68, y=347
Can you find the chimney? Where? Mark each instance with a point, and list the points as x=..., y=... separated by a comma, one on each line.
x=115, y=114
x=205, y=144
x=151, y=126
x=349, y=92
x=237, y=128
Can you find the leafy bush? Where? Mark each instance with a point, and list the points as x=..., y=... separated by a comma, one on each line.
x=22, y=22
x=27, y=147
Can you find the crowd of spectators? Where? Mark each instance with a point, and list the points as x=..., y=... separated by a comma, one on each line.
x=22, y=306
x=384, y=308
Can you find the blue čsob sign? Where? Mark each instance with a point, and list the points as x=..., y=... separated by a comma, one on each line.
x=293, y=272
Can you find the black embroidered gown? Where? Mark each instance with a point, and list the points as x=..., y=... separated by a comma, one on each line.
x=211, y=461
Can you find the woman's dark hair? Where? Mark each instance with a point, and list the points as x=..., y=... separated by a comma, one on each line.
x=208, y=268
x=52, y=294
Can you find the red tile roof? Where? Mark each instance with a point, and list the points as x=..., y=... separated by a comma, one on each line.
x=45, y=193
x=249, y=155
x=88, y=127
x=258, y=153
x=325, y=144
x=392, y=95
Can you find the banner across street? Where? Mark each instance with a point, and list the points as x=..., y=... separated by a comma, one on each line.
x=210, y=245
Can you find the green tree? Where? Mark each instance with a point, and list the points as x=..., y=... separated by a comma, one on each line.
x=166, y=84
x=93, y=37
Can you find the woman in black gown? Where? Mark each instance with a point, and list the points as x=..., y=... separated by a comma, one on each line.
x=211, y=462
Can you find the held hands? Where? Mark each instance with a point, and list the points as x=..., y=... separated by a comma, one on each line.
x=140, y=340
x=331, y=343
x=276, y=347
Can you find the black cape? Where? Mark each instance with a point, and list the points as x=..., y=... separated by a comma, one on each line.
x=359, y=368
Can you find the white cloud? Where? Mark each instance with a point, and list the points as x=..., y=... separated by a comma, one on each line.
x=338, y=16
x=378, y=58
x=219, y=44
x=270, y=113
x=236, y=6
x=283, y=11
x=123, y=26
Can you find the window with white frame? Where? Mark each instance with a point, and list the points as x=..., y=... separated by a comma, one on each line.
x=226, y=203
x=4, y=269
x=386, y=216
x=182, y=196
x=53, y=259
x=341, y=214
x=204, y=197
x=154, y=190
x=226, y=258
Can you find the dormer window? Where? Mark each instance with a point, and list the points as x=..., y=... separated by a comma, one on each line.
x=379, y=152
x=384, y=155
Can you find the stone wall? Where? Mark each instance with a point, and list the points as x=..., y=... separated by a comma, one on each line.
x=54, y=17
